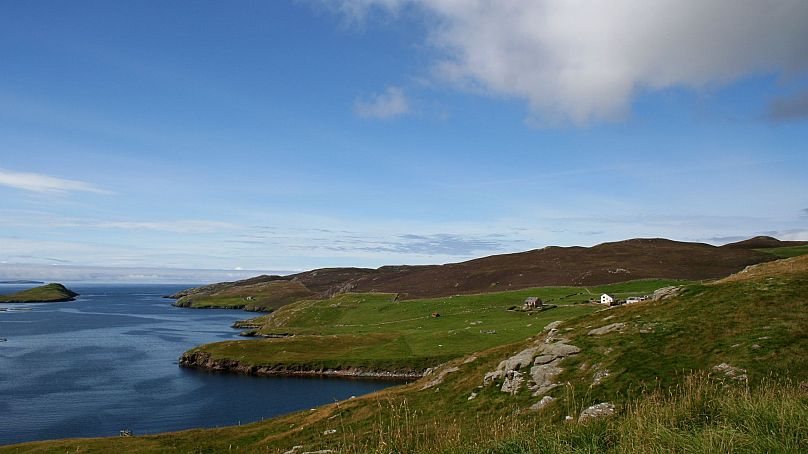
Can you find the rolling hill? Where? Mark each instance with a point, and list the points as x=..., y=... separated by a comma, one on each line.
x=605, y=263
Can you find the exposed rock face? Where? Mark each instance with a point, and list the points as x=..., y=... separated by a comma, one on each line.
x=440, y=376
x=665, y=292
x=543, y=376
x=597, y=411
x=513, y=382
x=607, y=329
x=545, y=358
x=553, y=325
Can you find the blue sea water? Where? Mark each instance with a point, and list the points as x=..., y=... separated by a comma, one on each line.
x=108, y=361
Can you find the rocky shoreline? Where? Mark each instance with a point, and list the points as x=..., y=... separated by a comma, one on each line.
x=204, y=361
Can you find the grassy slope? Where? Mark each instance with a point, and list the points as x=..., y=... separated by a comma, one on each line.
x=42, y=294
x=706, y=325
x=266, y=296
x=373, y=331
x=785, y=252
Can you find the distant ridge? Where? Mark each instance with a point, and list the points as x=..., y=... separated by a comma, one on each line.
x=605, y=263
x=763, y=242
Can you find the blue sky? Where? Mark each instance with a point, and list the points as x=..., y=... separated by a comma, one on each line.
x=282, y=136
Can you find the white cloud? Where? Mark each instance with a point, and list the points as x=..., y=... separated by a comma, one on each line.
x=584, y=60
x=391, y=103
x=37, y=182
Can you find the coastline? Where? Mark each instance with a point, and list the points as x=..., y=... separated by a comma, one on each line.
x=204, y=361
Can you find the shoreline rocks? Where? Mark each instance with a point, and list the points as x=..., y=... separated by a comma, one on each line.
x=204, y=361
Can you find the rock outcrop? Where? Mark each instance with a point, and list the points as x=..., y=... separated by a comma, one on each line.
x=607, y=329
x=597, y=411
x=543, y=358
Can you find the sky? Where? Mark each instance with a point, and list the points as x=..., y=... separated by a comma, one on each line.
x=200, y=141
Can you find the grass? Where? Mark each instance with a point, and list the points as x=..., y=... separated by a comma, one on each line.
x=667, y=396
x=49, y=293
x=785, y=252
x=374, y=331
x=262, y=297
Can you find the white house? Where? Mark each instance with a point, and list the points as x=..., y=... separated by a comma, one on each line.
x=607, y=299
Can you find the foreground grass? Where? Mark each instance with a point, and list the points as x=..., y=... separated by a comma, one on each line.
x=43, y=294
x=374, y=331
x=701, y=415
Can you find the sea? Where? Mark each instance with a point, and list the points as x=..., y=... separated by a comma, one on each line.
x=107, y=362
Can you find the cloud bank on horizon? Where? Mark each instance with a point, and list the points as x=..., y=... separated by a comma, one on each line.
x=583, y=61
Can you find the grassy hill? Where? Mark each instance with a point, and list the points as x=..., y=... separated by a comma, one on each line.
x=718, y=367
x=606, y=263
x=251, y=295
x=50, y=293
x=377, y=332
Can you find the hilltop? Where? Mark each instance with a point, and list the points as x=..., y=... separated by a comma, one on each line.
x=605, y=263
x=712, y=367
x=763, y=242
x=50, y=293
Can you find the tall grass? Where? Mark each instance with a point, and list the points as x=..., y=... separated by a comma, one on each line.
x=701, y=415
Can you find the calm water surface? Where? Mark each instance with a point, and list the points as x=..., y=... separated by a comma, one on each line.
x=108, y=361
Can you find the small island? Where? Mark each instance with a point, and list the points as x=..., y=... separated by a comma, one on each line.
x=50, y=293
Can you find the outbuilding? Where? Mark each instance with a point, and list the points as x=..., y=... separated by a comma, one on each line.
x=532, y=302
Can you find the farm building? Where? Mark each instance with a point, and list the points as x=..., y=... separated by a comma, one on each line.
x=532, y=302
x=635, y=299
x=607, y=299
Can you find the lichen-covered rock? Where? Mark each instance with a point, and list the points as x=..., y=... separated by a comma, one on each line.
x=553, y=325
x=543, y=376
x=519, y=360
x=606, y=329
x=440, y=376
x=513, y=382
x=665, y=292
x=545, y=401
x=597, y=411
x=492, y=376
x=560, y=350
x=543, y=359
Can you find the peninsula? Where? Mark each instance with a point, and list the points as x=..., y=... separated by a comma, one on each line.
x=49, y=293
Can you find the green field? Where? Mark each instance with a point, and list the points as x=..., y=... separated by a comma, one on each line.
x=263, y=297
x=376, y=332
x=785, y=252
x=49, y=293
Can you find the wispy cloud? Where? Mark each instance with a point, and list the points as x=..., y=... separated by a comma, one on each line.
x=179, y=226
x=392, y=102
x=441, y=244
x=38, y=182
